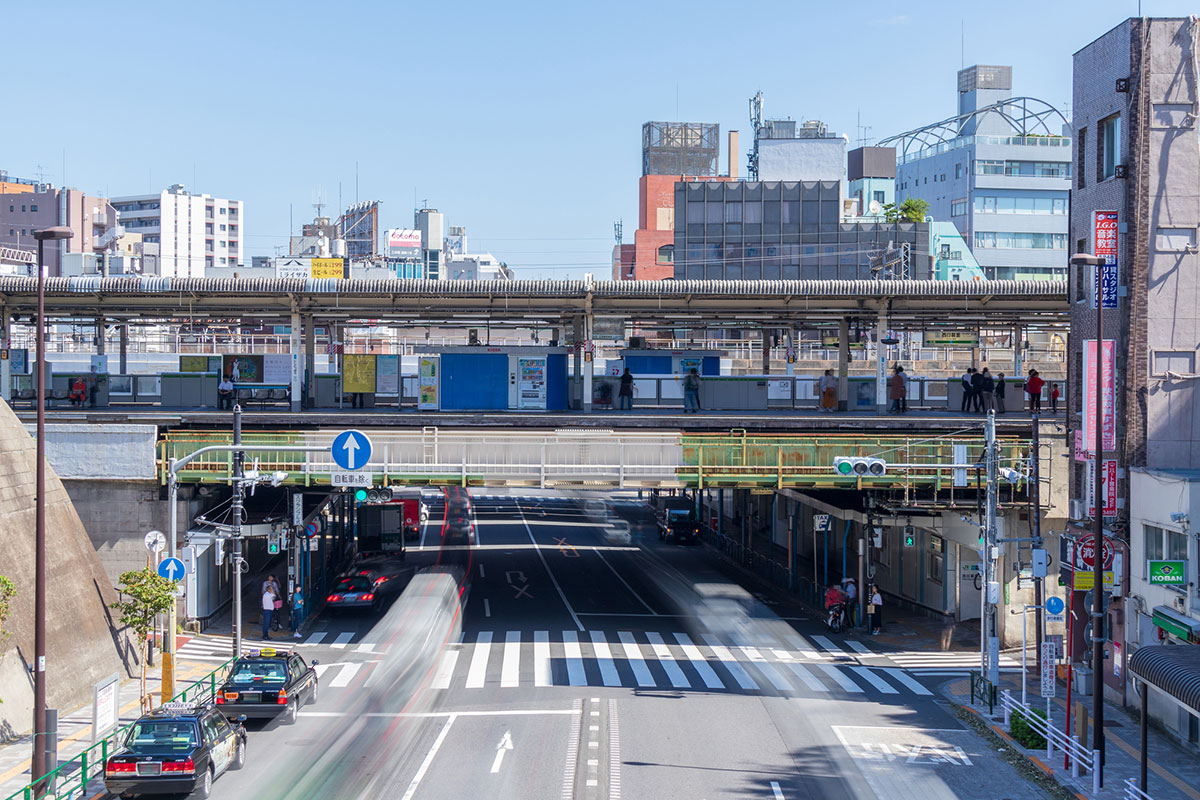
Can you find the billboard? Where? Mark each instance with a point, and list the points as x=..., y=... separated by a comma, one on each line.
x=403, y=243
x=293, y=267
x=328, y=268
x=358, y=373
x=1104, y=234
x=243, y=369
x=1110, y=395
x=1108, y=493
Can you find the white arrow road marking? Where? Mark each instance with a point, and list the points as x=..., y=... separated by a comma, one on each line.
x=506, y=744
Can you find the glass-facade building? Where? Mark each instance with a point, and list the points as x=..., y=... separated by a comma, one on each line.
x=773, y=230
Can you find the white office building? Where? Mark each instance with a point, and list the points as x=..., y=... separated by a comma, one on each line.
x=193, y=232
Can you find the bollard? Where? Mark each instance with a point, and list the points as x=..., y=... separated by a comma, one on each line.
x=1096, y=772
x=1007, y=709
x=1074, y=751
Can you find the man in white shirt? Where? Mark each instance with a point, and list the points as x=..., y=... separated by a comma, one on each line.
x=268, y=610
x=225, y=393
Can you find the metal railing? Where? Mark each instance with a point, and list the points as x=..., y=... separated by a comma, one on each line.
x=1079, y=756
x=761, y=564
x=69, y=779
x=983, y=690
x=1132, y=792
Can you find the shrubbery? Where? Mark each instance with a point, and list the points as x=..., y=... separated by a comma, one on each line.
x=1020, y=729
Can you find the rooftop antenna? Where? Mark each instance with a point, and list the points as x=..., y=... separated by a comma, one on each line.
x=862, y=131
x=617, y=230
x=318, y=200
x=756, y=112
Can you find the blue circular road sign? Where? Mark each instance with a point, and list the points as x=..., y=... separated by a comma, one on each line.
x=171, y=569
x=351, y=450
x=1055, y=605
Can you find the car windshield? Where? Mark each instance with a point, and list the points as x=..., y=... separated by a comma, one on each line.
x=355, y=584
x=157, y=734
x=258, y=672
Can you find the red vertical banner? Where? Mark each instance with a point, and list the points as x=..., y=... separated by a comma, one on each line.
x=1104, y=235
x=1109, y=395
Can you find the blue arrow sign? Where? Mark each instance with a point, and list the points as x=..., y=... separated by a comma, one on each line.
x=351, y=450
x=1055, y=605
x=171, y=569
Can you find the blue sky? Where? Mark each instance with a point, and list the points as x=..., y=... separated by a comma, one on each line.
x=521, y=122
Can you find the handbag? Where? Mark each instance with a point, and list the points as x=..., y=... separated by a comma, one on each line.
x=870, y=608
x=278, y=604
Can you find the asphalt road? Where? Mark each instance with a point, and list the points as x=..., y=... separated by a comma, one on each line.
x=586, y=670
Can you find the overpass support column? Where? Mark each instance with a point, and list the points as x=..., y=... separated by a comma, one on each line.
x=766, y=351
x=310, y=362
x=101, y=345
x=843, y=364
x=123, y=365
x=881, y=389
x=294, y=348
x=1017, y=338
x=6, y=364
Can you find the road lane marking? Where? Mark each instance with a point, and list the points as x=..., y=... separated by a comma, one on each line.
x=568, y=784
x=445, y=670
x=828, y=645
x=899, y=675
x=873, y=679
x=633, y=654
x=317, y=637
x=520, y=712
x=667, y=660
x=614, y=753
x=506, y=744
x=809, y=680
x=546, y=566
x=510, y=668
x=608, y=669
x=859, y=647
x=576, y=675
x=625, y=583
x=421, y=770
x=776, y=790
x=725, y=657
x=487, y=608
x=364, y=647
x=342, y=640
x=801, y=645
x=840, y=679
x=760, y=661
x=707, y=674
x=541, y=658
x=478, y=669
x=346, y=674
x=482, y=573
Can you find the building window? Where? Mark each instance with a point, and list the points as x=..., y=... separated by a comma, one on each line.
x=733, y=212
x=957, y=171
x=222, y=229
x=1080, y=159
x=22, y=209
x=879, y=197
x=1164, y=545
x=666, y=254
x=1029, y=204
x=958, y=208
x=937, y=558
x=985, y=166
x=222, y=212
x=1109, y=146
x=33, y=207
x=1006, y=240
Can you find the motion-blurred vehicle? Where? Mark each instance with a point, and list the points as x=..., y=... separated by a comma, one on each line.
x=384, y=527
x=597, y=510
x=268, y=683
x=679, y=522
x=178, y=748
x=369, y=584
x=617, y=532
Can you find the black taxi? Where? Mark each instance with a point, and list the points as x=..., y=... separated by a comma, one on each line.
x=178, y=748
x=268, y=683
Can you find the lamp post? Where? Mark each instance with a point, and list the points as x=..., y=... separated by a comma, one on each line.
x=38, y=766
x=1098, y=638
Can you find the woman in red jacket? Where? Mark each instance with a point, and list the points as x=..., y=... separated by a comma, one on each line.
x=1033, y=387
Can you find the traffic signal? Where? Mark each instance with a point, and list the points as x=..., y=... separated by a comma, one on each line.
x=910, y=536
x=374, y=495
x=273, y=544
x=360, y=495
x=854, y=466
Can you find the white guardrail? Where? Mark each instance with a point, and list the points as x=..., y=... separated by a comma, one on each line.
x=1079, y=756
x=1132, y=792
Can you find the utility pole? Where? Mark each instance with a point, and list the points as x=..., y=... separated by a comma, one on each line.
x=239, y=463
x=1035, y=496
x=991, y=640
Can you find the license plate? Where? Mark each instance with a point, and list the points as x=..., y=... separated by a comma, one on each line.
x=251, y=697
x=231, y=696
x=350, y=598
x=149, y=769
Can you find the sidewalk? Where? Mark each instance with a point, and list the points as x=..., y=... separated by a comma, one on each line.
x=75, y=727
x=1173, y=772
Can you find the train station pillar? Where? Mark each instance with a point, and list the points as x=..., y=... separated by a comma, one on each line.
x=589, y=365
x=843, y=370
x=1018, y=352
x=310, y=362
x=6, y=363
x=100, y=343
x=294, y=348
x=766, y=351
x=881, y=384
x=123, y=351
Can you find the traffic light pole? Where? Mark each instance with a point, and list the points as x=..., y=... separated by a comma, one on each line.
x=990, y=644
x=239, y=463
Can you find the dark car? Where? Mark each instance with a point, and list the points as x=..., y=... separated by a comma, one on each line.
x=678, y=523
x=179, y=748
x=268, y=683
x=370, y=584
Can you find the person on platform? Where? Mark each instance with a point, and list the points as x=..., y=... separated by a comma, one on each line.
x=987, y=390
x=898, y=390
x=78, y=392
x=966, y=390
x=225, y=393
x=828, y=390
x=625, y=393
x=1033, y=387
x=1054, y=395
x=691, y=392
x=999, y=396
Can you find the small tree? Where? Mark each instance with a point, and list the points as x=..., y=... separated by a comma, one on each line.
x=144, y=595
x=8, y=590
x=914, y=209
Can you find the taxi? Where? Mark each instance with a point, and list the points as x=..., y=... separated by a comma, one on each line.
x=178, y=748
x=268, y=683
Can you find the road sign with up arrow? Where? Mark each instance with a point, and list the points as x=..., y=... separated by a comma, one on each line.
x=171, y=569
x=351, y=450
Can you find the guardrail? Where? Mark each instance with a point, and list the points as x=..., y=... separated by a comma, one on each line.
x=1078, y=755
x=984, y=690
x=775, y=572
x=1132, y=792
x=69, y=780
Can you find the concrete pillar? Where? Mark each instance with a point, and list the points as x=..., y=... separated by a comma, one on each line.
x=1018, y=352
x=297, y=353
x=766, y=351
x=577, y=365
x=881, y=393
x=589, y=366
x=310, y=361
x=6, y=364
x=100, y=343
x=843, y=370
x=123, y=366
x=790, y=343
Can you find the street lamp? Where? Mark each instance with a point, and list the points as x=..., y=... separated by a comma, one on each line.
x=1088, y=260
x=38, y=766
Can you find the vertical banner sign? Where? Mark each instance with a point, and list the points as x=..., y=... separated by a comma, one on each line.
x=1108, y=494
x=427, y=383
x=1110, y=396
x=1047, y=662
x=1104, y=234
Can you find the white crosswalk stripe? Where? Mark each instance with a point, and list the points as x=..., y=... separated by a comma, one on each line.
x=575, y=672
x=511, y=669
x=479, y=659
x=735, y=669
x=342, y=640
x=707, y=674
x=633, y=656
x=541, y=658
x=608, y=669
x=207, y=647
x=667, y=661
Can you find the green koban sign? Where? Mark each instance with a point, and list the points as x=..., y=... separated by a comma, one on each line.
x=1171, y=572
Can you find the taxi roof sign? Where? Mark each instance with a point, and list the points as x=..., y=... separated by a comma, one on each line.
x=178, y=707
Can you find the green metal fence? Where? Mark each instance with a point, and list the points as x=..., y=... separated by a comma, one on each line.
x=70, y=779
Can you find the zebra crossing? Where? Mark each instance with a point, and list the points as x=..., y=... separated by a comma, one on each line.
x=219, y=648
x=947, y=663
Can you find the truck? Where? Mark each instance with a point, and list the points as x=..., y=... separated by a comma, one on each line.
x=679, y=522
x=383, y=528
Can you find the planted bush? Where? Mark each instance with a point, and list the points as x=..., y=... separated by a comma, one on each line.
x=1020, y=729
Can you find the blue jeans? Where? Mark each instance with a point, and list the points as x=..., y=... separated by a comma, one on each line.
x=625, y=402
x=268, y=613
x=691, y=400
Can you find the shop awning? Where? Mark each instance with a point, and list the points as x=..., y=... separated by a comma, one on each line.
x=1172, y=669
x=1177, y=624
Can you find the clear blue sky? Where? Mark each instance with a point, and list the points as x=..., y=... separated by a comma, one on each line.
x=520, y=121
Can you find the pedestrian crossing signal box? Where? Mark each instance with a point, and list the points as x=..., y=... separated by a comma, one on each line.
x=910, y=536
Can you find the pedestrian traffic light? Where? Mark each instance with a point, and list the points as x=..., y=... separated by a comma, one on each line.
x=910, y=536
x=850, y=467
x=273, y=544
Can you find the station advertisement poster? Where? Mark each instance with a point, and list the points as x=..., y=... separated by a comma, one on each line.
x=686, y=365
x=292, y=267
x=427, y=383
x=193, y=363
x=243, y=369
x=358, y=373
x=328, y=268
x=387, y=375
x=277, y=368
x=18, y=361
x=1089, y=397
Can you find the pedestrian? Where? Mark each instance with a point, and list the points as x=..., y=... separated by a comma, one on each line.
x=828, y=391
x=897, y=389
x=1033, y=387
x=625, y=394
x=276, y=620
x=875, y=609
x=966, y=390
x=78, y=391
x=977, y=389
x=851, y=591
x=987, y=388
x=225, y=393
x=268, y=609
x=1054, y=398
x=999, y=398
x=691, y=392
